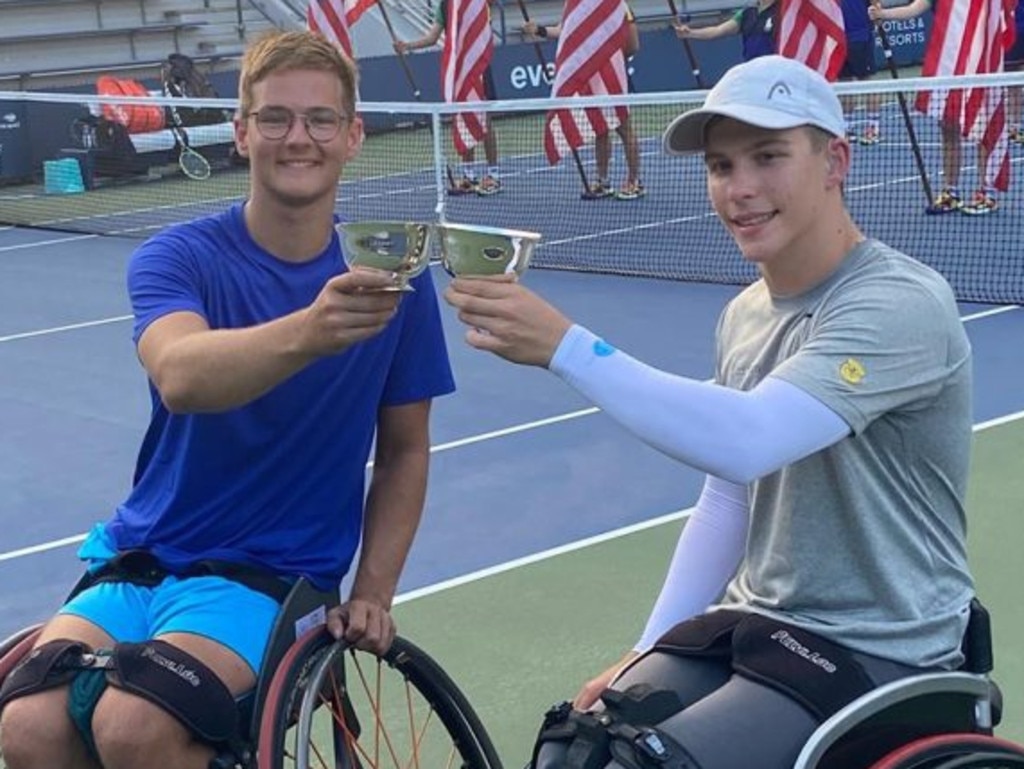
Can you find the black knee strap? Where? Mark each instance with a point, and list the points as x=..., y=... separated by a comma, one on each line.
x=625, y=731
x=49, y=665
x=180, y=684
x=819, y=674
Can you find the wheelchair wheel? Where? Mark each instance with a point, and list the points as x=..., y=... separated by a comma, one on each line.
x=955, y=751
x=15, y=646
x=329, y=705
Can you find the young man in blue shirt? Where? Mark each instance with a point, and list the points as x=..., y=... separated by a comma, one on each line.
x=273, y=370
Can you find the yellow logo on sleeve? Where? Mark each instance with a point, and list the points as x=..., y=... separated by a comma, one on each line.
x=851, y=370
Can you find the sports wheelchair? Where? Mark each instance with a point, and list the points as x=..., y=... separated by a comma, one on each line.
x=940, y=720
x=934, y=720
x=320, y=703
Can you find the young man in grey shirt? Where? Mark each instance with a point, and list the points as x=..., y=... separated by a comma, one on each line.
x=826, y=554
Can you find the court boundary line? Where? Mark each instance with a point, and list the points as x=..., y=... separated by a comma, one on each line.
x=581, y=544
x=515, y=563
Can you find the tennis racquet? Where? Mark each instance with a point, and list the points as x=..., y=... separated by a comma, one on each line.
x=192, y=164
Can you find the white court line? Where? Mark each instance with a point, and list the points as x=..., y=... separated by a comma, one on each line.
x=61, y=329
x=607, y=536
x=68, y=239
x=989, y=313
x=543, y=555
x=500, y=568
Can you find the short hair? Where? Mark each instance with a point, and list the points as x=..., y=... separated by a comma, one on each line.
x=819, y=138
x=301, y=49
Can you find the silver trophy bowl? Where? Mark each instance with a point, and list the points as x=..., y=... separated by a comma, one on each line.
x=475, y=250
x=399, y=247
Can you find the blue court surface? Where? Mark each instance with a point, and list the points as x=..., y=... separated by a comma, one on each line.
x=542, y=517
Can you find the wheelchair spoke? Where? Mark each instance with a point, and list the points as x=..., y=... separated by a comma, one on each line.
x=338, y=708
x=375, y=702
x=414, y=759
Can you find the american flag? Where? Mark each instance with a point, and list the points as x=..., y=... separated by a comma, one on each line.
x=589, y=62
x=468, y=47
x=332, y=19
x=812, y=31
x=971, y=37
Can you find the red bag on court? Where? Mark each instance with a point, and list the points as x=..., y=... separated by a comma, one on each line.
x=137, y=118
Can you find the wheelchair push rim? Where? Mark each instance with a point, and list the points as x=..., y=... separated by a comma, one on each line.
x=331, y=705
x=955, y=751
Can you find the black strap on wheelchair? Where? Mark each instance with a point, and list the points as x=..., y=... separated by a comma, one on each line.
x=180, y=684
x=47, y=666
x=819, y=674
x=624, y=731
x=140, y=567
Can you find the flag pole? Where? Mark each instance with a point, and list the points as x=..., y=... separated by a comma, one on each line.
x=412, y=81
x=401, y=55
x=694, y=65
x=544, y=69
x=915, y=147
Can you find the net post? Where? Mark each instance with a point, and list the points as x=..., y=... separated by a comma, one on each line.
x=439, y=161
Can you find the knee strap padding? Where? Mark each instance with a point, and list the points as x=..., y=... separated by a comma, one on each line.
x=624, y=732
x=49, y=665
x=649, y=748
x=180, y=684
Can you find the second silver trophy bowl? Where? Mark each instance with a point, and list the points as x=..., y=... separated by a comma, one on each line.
x=477, y=250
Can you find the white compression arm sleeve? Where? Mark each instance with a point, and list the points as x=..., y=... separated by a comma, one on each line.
x=707, y=554
x=736, y=435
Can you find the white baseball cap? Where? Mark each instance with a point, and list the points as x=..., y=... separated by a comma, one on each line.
x=772, y=92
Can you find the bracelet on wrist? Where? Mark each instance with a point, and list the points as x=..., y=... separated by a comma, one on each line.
x=542, y=31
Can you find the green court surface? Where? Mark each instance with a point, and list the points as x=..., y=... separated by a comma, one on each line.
x=521, y=639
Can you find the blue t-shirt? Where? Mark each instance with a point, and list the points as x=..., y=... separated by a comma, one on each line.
x=277, y=483
x=856, y=21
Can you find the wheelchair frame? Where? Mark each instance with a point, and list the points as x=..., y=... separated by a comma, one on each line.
x=917, y=709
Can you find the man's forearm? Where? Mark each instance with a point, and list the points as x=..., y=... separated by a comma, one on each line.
x=220, y=369
x=394, y=506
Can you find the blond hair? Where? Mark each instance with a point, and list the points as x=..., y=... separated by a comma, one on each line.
x=282, y=51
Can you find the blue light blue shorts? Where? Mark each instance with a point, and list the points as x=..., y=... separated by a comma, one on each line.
x=220, y=609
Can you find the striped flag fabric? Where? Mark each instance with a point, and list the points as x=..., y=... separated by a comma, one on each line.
x=589, y=62
x=812, y=31
x=971, y=37
x=468, y=47
x=333, y=18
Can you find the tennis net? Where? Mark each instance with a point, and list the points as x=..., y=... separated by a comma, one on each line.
x=76, y=176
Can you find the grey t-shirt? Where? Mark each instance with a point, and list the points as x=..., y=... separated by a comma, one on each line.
x=864, y=542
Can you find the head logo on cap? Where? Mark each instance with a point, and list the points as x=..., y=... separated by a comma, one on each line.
x=780, y=87
x=774, y=93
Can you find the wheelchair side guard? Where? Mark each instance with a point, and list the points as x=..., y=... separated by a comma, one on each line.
x=180, y=684
x=623, y=732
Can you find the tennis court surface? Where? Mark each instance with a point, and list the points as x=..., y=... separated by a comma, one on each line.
x=547, y=527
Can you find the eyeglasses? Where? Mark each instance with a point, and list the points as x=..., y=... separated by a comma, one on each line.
x=322, y=123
